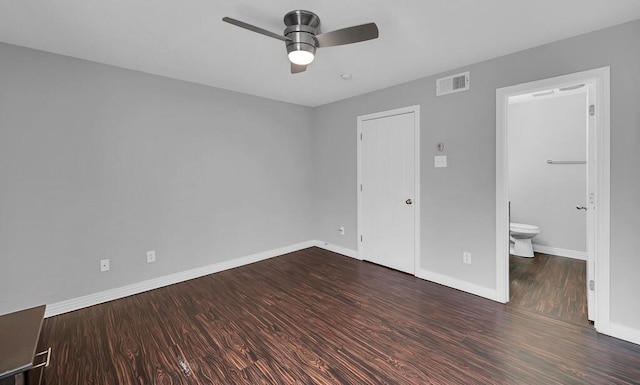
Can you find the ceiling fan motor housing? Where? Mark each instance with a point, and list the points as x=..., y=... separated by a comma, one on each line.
x=302, y=28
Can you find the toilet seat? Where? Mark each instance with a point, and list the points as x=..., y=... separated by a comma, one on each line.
x=523, y=228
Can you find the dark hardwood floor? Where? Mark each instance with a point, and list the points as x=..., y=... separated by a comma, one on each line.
x=551, y=285
x=314, y=317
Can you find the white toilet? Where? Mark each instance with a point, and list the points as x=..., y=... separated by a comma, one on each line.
x=520, y=239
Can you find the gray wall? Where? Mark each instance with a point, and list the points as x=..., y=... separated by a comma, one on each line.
x=100, y=162
x=458, y=202
x=546, y=195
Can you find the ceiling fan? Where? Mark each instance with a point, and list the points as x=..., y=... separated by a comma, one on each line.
x=302, y=36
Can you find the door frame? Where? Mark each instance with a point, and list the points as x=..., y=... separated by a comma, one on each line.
x=415, y=109
x=600, y=77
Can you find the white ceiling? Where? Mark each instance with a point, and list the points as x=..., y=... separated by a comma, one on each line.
x=186, y=39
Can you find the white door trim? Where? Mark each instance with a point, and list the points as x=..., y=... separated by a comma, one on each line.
x=416, y=200
x=600, y=77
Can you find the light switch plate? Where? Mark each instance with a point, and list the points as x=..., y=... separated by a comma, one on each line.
x=440, y=161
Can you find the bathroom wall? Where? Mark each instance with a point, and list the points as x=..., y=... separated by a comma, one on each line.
x=544, y=194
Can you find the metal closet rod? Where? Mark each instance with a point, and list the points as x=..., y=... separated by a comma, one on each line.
x=566, y=161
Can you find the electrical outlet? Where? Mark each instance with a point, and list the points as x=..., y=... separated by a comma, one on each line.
x=466, y=257
x=341, y=230
x=104, y=265
x=151, y=256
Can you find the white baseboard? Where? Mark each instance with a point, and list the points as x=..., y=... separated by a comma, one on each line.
x=455, y=283
x=614, y=330
x=582, y=255
x=140, y=287
x=338, y=249
x=423, y=274
x=624, y=333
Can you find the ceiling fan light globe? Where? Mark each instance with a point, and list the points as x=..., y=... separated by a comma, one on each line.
x=301, y=57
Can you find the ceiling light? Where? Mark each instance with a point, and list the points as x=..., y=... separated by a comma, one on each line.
x=301, y=53
x=572, y=87
x=300, y=57
x=346, y=76
x=544, y=93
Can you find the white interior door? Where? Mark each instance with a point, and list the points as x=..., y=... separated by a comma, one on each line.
x=387, y=190
x=590, y=199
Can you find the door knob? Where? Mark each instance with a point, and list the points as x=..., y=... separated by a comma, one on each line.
x=408, y=201
x=581, y=208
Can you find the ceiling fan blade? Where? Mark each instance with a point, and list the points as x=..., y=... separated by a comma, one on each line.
x=253, y=28
x=349, y=35
x=296, y=68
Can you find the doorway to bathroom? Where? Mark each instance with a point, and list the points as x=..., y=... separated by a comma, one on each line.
x=563, y=194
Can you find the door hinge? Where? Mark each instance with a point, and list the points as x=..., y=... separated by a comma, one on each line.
x=360, y=238
x=592, y=109
x=360, y=187
x=592, y=285
x=361, y=136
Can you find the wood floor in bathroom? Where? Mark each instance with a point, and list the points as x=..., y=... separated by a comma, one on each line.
x=315, y=317
x=551, y=285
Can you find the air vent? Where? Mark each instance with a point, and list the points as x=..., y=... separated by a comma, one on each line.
x=452, y=84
